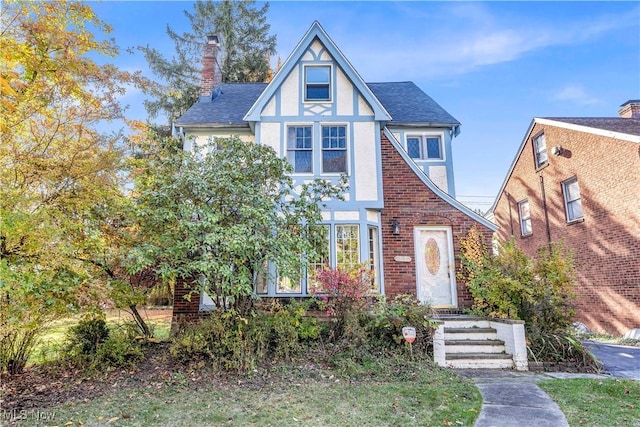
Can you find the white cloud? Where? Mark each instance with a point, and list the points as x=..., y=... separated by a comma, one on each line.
x=575, y=94
x=472, y=36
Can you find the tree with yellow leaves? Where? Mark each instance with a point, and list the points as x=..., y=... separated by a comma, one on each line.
x=58, y=173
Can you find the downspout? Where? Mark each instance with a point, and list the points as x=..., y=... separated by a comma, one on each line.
x=546, y=213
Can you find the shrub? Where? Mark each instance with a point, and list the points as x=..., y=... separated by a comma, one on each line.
x=345, y=295
x=538, y=291
x=121, y=349
x=560, y=347
x=236, y=343
x=508, y=284
x=85, y=337
x=388, y=319
x=92, y=344
x=16, y=345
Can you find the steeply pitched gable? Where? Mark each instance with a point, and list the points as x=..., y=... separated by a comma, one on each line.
x=317, y=32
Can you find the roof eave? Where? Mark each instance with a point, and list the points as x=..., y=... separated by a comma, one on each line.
x=213, y=125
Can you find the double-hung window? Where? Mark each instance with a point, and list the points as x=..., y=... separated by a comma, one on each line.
x=317, y=83
x=300, y=148
x=540, y=150
x=334, y=149
x=525, y=218
x=572, y=199
x=425, y=147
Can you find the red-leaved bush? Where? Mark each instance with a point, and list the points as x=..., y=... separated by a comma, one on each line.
x=344, y=294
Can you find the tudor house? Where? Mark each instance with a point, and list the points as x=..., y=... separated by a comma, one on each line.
x=577, y=180
x=391, y=140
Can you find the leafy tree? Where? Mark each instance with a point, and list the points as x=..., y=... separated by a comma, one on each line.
x=244, y=57
x=56, y=171
x=217, y=218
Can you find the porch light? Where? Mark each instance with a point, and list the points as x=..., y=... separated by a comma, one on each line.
x=395, y=227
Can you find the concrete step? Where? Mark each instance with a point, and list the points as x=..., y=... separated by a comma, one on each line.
x=474, y=346
x=471, y=356
x=479, y=360
x=465, y=322
x=480, y=363
x=456, y=334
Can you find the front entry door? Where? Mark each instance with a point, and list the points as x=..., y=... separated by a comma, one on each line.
x=435, y=266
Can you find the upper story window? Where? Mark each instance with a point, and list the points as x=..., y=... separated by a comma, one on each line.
x=525, y=218
x=300, y=148
x=540, y=150
x=572, y=199
x=317, y=83
x=425, y=147
x=334, y=149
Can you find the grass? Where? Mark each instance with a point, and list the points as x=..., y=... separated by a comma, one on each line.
x=596, y=402
x=422, y=395
x=51, y=343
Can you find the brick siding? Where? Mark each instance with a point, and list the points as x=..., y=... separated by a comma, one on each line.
x=606, y=244
x=412, y=203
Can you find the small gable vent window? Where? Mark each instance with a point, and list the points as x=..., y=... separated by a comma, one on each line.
x=572, y=199
x=317, y=83
x=525, y=218
x=425, y=147
x=540, y=151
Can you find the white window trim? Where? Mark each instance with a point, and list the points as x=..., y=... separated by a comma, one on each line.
x=566, y=200
x=534, y=141
x=304, y=83
x=313, y=145
x=347, y=145
x=423, y=145
x=523, y=219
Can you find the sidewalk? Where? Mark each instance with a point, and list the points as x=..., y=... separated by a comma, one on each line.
x=512, y=398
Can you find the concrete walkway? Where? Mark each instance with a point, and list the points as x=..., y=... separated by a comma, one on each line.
x=512, y=398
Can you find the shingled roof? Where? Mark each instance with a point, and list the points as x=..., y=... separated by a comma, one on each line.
x=405, y=102
x=629, y=126
x=229, y=103
x=408, y=104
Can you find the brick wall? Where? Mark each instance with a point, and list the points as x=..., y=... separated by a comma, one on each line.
x=412, y=203
x=606, y=244
x=184, y=309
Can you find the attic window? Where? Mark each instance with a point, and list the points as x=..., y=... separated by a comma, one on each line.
x=317, y=83
x=540, y=151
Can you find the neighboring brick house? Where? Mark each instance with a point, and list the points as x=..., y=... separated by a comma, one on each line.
x=577, y=180
x=391, y=140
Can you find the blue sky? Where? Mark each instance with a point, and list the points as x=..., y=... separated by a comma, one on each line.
x=492, y=65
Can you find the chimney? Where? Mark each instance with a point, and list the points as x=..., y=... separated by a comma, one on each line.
x=630, y=109
x=211, y=72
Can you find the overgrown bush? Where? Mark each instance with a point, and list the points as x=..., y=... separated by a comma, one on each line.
x=538, y=291
x=16, y=345
x=92, y=344
x=233, y=342
x=346, y=296
x=85, y=337
x=510, y=285
x=388, y=319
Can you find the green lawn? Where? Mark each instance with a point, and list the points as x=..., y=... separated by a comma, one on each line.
x=596, y=402
x=423, y=396
x=49, y=346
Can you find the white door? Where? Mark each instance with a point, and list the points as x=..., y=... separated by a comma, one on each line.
x=436, y=279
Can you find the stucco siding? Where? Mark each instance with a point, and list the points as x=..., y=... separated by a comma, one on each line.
x=366, y=172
